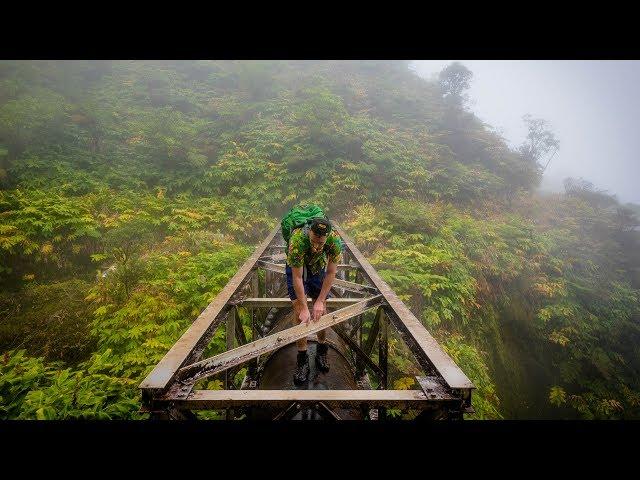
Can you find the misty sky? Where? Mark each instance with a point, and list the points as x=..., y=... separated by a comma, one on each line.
x=592, y=107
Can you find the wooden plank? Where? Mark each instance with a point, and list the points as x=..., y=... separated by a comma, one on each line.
x=197, y=334
x=212, y=399
x=424, y=347
x=285, y=302
x=225, y=360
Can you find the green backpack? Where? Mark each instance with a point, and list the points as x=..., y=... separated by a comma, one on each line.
x=299, y=216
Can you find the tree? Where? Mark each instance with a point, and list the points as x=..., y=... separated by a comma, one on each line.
x=541, y=144
x=126, y=244
x=454, y=80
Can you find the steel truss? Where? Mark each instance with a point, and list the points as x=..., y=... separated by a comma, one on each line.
x=168, y=391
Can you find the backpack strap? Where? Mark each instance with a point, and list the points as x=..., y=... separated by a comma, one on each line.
x=305, y=230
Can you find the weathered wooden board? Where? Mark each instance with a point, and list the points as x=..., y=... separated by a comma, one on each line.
x=230, y=358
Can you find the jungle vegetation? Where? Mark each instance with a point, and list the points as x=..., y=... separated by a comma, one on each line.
x=130, y=192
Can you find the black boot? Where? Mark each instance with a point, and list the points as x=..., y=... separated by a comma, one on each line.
x=301, y=375
x=321, y=357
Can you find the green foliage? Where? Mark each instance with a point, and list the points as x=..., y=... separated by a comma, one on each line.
x=31, y=389
x=557, y=396
x=454, y=79
x=473, y=362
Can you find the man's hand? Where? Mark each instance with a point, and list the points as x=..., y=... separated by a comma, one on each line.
x=319, y=309
x=305, y=316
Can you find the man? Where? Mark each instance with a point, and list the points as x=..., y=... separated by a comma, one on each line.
x=311, y=250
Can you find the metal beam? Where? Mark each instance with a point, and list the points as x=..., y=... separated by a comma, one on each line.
x=230, y=336
x=239, y=331
x=276, y=258
x=373, y=332
x=354, y=287
x=197, y=336
x=433, y=387
x=288, y=412
x=225, y=360
x=328, y=413
x=274, y=267
x=285, y=302
x=360, y=355
x=214, y=399
x=383, y=351
x=424, y=347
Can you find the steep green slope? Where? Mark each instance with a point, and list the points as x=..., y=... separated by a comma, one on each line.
x=147, y=184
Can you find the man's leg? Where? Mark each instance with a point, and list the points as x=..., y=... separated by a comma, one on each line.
x=297, y=309
x=322, y=334
x=315, y=286
x=301, y=373
x=322, y=349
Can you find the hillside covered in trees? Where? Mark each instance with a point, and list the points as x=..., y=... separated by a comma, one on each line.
x=130, y=192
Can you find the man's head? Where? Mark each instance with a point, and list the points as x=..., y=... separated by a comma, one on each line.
x=318, y=232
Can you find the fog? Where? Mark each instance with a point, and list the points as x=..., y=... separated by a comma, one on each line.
x=591, y=106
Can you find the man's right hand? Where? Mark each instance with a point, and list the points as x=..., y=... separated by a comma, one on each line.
x=305, y=316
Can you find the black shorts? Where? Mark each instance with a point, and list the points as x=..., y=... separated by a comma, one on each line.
x=312, y=285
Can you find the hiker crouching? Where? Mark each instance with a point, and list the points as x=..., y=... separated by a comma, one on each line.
x=312, y=249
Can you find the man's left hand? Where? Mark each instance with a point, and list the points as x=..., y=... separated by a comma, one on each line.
x=319, y=309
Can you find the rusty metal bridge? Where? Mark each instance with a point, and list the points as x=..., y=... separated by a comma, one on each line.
x=169, y=391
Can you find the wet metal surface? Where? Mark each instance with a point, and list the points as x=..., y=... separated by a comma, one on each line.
x=279, y=367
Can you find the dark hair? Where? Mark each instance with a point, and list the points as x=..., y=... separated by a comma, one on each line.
x=321, y=226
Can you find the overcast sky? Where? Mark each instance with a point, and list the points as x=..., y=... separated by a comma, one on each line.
x=592, y=107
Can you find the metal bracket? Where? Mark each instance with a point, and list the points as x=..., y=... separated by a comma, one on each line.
x=435, y=388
